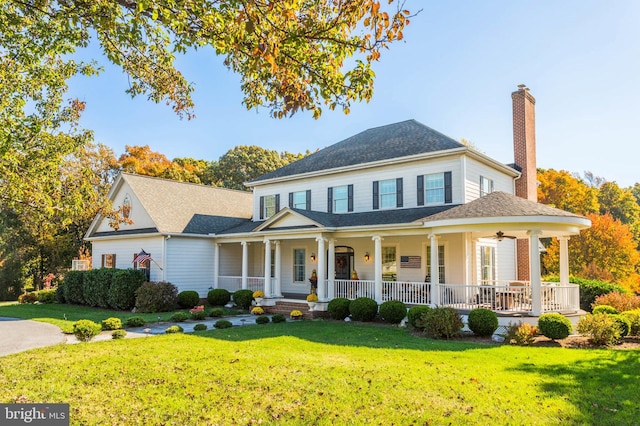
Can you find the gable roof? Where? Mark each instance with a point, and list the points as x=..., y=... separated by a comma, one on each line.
x=179, y=207
x=396, y=140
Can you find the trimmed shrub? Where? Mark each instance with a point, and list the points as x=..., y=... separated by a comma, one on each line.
x=124, y=284
x=111, y=324
x=440, y=322
x=393, y=311
x=634, y=321
x=243, y=299
x=619, y=301
x=135, y=322
x=96, y=285
x=73, y=288
x=521, y=334
x=554, y=326
x=28, y=298
x=188, y=299
x=277, y=318
x=199, y=327
x=218, y=297
x=86, y=330
x=198, y=315
x=180, y=317
x=602, y=329
x=415, y=312
x=156, y=297
x=216, y=313
x=118, y=334
x=483, y=322
x=223, y=324
x=46, y=296
x=262, y=320
x=338, y=308
x=59, y=297
x=363, y=309
x=605, y=309
x=623, y=324
x=174, y=329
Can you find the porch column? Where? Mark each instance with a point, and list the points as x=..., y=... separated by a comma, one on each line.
x=277, y=291
x=245, y=263
x=216, y=264
x=322, y=261
x=564, y=259
x=267, y=269
x=435, y=273
x=331, y=266
x=377, y=271
x=534, y=268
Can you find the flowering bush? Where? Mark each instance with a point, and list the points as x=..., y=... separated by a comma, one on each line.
x=521, y=334
x=197, y=313
x=312, y=297
x=619, y=301
x=258, y=293
x=197, y=309
x=257, y=310
x=295, y=314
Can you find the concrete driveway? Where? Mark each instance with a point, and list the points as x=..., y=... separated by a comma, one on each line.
x=17, y=335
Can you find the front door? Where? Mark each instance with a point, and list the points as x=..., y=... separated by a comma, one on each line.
x=343, y=262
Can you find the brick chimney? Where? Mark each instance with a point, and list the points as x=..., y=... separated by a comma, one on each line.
x=524, y=150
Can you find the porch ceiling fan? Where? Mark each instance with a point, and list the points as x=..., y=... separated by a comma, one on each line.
x=501, y=236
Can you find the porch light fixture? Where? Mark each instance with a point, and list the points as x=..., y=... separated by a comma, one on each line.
x=313, y=257
x=366, y=257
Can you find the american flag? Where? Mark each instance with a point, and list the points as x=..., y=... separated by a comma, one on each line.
x=142, y=257
x=409, y=261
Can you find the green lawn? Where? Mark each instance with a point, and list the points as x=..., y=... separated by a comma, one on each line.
x=64, y=315
x=325, y=373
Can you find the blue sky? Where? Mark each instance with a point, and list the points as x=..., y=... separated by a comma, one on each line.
x=454, y=71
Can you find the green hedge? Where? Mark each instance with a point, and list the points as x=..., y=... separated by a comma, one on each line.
x=122, y=293
x=73, y=289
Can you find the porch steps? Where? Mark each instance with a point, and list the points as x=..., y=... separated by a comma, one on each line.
x=285, y=308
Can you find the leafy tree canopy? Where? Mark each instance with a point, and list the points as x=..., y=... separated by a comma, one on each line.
x=564, y=191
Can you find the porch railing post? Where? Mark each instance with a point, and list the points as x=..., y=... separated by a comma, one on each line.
x=322, y=257
x=435, y=273
x=377, y=260
x=534, y=268
x=331, y=270
x=267, y=268
x=245, y=264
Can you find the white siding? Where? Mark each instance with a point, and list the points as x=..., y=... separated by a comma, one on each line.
x=475, y=169
x=362, y=181
x=125, y=249
x=190, y=264
x=138, y=215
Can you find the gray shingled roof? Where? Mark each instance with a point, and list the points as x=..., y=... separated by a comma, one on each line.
x=333, y=220
x=498, y=204
x=178, y=207
x=380, y=143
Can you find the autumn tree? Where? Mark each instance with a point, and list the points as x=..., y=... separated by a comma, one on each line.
x=291, y=56
x=562, y=190
x=621, y=204
x=606, y=251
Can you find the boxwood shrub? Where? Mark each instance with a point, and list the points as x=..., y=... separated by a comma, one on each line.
x=262, y=320
x=554, y=326
x=393, y=311
x=216, y=313
x=623, y=324
x=218, y=297
x=483, y=322
x=124, y=284
x=243, y=298
x=441, y=322
x=156, y=297
x=86, y=330
x=199, y=327
x=223, y=323
x=135, y=322
x=46, y=296
x=174, y=329
x=363, y=309
x=118, y=334
x=277, y=318
x=338, y=308
x=634, y=320
x=605, y=309
x=415, y=312
x=188, y=299
x=180, y=316
x=111, y=324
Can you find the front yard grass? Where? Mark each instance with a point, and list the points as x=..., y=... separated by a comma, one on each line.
x=64, y=315
x=320, y=372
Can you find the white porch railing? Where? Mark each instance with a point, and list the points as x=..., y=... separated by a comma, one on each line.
x=504, y=296
x=232, y=284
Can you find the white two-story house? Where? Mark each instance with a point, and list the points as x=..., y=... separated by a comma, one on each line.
x=396, y=212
